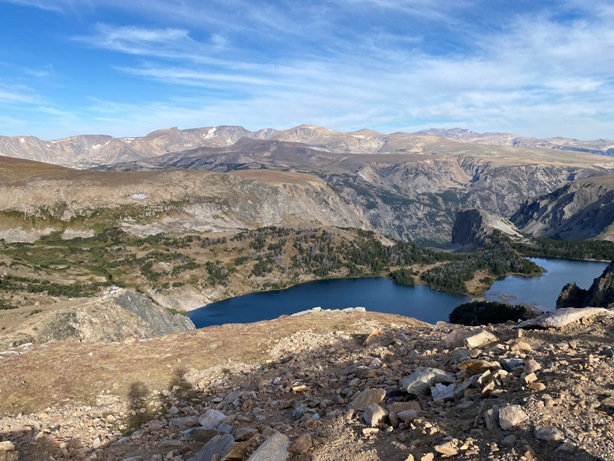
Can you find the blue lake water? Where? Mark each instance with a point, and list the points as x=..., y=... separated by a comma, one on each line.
x=375, y=294
x=383, y=295
x=543, y=291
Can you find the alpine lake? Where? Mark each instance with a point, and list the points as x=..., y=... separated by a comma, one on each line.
x=384, y=295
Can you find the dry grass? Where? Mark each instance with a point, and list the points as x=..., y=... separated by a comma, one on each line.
x=60, y=372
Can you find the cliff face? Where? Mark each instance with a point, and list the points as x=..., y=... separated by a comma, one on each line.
x=475, y=227
x=600, y=294
x=581, y=210
x=413, y=190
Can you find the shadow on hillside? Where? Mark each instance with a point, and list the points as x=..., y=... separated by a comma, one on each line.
x=277, y=406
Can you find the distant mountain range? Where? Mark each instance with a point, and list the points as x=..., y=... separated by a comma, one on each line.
x=405, y=185
x=86, y=151
x=598, y=146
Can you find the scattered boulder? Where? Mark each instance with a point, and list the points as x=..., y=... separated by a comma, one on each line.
x=302, y=444
x=374, y=414
x=245, y=433
x=470, y=339
x=199, y=434
x=441, y=392
x=510, y=416
x=238, y=452
x=420, y=381
x=7, y=451
x=548, y=434
x=475, y=367
x=447, y=449
x=211, y=418
x=531, y=366
x=512, y=363
x=366, y=398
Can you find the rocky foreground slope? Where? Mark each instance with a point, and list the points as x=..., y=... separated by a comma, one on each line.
x=322, y=386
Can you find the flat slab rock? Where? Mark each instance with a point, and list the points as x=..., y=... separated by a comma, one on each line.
x=367, y=397
x=215, y=448
x=562, y=317
x=275, y=448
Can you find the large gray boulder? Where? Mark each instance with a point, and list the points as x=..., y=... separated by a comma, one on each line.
x=563, y=317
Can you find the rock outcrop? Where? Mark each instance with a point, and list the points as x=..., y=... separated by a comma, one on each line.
x=475, y=227
x=117, y=315
x=600, y=293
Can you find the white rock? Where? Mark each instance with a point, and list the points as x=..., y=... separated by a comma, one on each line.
x=511, y=416
x=419, y=382
x=479, y=339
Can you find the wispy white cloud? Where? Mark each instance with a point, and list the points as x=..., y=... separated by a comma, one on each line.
x=284, y=63
x=18, y=94
x=40, y=4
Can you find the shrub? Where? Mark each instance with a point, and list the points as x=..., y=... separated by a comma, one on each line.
x=483, y=312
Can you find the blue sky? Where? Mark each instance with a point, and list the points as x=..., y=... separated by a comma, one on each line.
x=127, y=67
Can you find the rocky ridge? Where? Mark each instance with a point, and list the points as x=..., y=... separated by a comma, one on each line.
x=407, y=186
x=84, y=151
x=381, y=387
x=599, y=146
x=600, y=293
